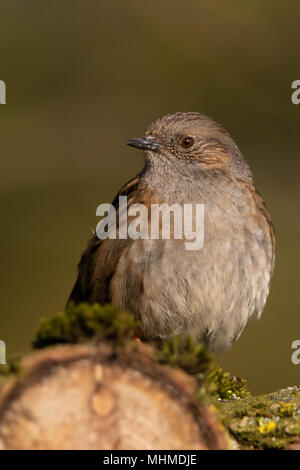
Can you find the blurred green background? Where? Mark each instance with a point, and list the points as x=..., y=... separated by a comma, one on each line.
x=82, y=77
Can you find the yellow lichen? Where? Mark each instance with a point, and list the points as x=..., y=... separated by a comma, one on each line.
x=266, y=428
x=286, y=409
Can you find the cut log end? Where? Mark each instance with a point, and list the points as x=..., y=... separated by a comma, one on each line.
x=90, y=397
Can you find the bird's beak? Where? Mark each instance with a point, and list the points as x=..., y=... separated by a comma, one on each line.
x=145, y=143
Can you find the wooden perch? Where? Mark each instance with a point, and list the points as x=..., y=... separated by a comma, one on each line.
x=92, y=397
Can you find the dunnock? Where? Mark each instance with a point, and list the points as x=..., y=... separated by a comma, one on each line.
x=209, y=294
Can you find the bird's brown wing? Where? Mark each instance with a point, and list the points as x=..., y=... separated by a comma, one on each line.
x=98, y=262
x=263, y=211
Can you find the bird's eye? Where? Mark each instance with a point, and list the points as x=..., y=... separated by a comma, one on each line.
x=187, y=142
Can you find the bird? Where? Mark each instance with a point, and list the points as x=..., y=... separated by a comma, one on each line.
x=208, y=294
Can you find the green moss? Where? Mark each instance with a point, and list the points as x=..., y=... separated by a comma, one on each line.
x=196, y=360
x=263, y=422
x=78, y=323
x=227, y=387
x=186, y=354
x=266, y=421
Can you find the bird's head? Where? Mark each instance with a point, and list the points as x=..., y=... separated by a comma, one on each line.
x=192, y=141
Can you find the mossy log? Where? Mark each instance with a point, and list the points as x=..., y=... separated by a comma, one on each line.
x=93, y=396
x=103, y=390
x=269, y=421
